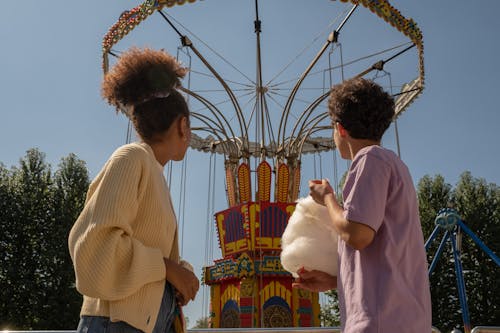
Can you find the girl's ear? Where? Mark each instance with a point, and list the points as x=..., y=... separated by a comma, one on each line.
x=184, y=128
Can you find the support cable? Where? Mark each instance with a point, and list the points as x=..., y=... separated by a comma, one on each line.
x=166, y=16
x=182, y=202
x=304, y=49
x=260, y=89
x=331, y=39
x=241, y=120
x=379, y=65
x=343, y=65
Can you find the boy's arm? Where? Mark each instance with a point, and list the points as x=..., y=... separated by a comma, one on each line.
x=357, y=235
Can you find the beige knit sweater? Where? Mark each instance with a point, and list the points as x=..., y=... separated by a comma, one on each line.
x=122, y=235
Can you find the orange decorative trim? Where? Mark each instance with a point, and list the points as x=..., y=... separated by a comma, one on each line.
x=296, y=184
x=129, y=20
x=244, y=182
x=283, y=182
x=231, y=191
x=264, y=182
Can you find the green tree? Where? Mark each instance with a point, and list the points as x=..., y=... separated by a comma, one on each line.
x=478, y=205
x=70, y=185
x=330, y=313
x=7, y=279
x=202, y=322
x=37, y=210
x=30, y=197
x=433, y=195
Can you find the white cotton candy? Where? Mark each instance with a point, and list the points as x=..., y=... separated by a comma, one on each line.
x=309, y=240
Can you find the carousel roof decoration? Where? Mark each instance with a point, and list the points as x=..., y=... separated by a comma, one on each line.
x=217, y=135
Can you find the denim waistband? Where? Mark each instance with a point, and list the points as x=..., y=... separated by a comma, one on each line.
x=166, y=314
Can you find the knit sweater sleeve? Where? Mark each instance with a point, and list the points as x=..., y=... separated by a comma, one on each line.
x=109, y=262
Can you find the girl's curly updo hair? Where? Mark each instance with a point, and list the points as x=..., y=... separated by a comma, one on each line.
x=363, y=108
x=145, y=82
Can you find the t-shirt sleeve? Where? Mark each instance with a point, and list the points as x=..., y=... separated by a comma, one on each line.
x=367, y=184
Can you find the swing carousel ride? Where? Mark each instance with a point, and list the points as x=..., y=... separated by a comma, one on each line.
x=264, y=127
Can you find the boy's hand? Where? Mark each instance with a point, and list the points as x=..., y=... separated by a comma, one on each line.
x=319, y=189
x=314, y=281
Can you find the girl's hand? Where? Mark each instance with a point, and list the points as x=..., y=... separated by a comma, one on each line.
x=184, y=281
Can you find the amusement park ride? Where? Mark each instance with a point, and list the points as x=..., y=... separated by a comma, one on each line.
x=452, y=225
x=248, y=285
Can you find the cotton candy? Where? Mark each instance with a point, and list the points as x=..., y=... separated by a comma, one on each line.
x=309, y=240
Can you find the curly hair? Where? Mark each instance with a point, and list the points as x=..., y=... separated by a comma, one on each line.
x=145, y=81
x=362, y=107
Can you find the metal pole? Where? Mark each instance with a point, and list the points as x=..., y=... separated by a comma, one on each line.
x=439, y=252
x=260, y=90
x=431, y=237
x=479, y=242
x=461, y=286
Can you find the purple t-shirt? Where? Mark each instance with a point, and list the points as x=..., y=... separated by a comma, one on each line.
x=383, y=288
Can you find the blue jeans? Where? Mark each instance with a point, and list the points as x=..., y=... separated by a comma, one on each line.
x=96, y=324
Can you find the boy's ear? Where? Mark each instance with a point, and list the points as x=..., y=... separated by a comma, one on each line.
x=341, y=129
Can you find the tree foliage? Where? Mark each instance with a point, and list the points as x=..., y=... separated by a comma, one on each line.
x=478, y=204
x=202, y=322
x=330, y=313
x=37, y=210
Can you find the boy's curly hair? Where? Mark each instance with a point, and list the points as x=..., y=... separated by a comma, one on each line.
x=363, y=108
x=145, y=82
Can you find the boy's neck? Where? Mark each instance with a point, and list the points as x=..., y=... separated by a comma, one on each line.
x=355, y=145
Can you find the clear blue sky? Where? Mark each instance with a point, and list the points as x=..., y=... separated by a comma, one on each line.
x=50, y=73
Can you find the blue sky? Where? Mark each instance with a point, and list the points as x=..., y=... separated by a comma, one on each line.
x=50, y=74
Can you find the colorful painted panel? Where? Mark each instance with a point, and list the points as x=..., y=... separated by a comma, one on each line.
x=273, y=218
x=230, y=314
x=276, y=300
x=244, y=267
x=248, y=303
x=277, y=313
x=304, y=310
x=233, y=230
x=252, y=226
x=233, y=226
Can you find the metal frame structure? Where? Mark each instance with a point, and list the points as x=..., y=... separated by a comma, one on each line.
x=449, y=221
x=288, y=145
